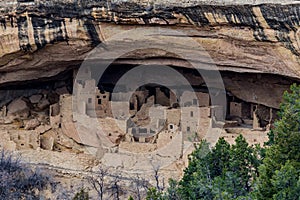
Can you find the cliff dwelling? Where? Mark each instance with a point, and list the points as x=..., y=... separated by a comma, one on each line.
x=57, y=95
x=151, y=116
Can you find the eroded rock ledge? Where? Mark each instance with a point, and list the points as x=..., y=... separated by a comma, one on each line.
x=43, y=38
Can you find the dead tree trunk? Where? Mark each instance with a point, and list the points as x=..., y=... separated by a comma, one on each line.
x=98, y=181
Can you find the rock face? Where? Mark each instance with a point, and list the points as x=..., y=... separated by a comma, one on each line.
x=255, y=45
x=42, y=38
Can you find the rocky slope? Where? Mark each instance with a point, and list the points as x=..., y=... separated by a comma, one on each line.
x=41, y=39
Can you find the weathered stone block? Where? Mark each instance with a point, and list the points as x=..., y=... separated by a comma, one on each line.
x=35, y=98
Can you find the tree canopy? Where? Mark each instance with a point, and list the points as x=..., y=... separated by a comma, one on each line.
x=240, y=171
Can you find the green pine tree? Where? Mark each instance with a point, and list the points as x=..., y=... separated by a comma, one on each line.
x=220, y=158
x=241, y=166
x=154, y=194
x=223, y=172
x=81, y=195
x=130, y=198
x=286, y=183
x=284, y=148
x=172, y=191
x=197, y=181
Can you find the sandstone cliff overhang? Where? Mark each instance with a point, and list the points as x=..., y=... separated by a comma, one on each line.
x=40, y=39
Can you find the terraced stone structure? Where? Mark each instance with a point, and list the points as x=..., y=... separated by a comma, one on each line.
x=255, y=45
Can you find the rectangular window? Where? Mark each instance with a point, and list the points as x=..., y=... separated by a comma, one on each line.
x=194, y=101
x=143, y=130
x=90, y=100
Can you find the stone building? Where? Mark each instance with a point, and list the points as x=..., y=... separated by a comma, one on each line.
x=190, y=120
x=102, y=103
x=85, y=96
x=173, y=117
x=242, y=109
x=157, y=115
x=192, y=98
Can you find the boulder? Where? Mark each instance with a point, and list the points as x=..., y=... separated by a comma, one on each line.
x=80, y=133
x=53, y=97
x=18, y=108
x=62, y=90
x=43, y=104
x=31, y=124
x=35, y=98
